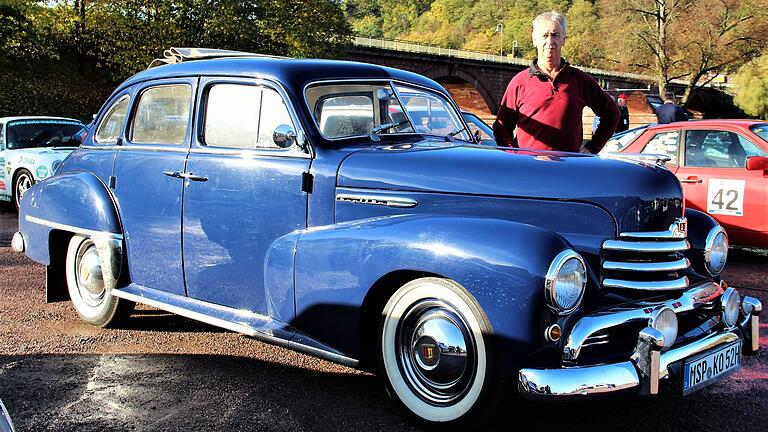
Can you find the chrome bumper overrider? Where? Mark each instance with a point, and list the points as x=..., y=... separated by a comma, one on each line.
x=642, y=372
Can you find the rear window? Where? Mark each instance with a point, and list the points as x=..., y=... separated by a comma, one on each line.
x=43, y=133
x=761, y=130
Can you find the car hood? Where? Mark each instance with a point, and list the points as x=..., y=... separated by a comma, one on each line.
x=639, y=195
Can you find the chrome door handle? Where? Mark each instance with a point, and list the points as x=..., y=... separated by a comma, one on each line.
x=193, y=177
x=174, y=174
x=691, y=180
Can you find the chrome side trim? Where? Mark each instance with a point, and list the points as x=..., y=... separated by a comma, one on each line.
x=647, y=266
x=74, y=229
x=701, y=294
x=629, y=246
x=593, y=380
x=248, y=323
x=676, y=284
x=382, y=200
x=678, y=230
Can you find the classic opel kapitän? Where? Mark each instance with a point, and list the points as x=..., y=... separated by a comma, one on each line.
x=343, y=210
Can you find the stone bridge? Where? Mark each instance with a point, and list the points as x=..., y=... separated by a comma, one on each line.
x=478, y=80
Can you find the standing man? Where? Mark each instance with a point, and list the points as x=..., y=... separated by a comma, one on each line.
x=541, y=108
x=623, y=113
x=669, y=111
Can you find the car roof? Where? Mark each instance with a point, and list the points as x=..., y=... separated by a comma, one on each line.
x=740, y=123
x=14, y=118
x=294, y=74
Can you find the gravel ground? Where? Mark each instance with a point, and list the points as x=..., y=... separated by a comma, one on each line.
x=165, y=372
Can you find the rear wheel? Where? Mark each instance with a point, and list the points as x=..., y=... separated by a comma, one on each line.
x=436, y=353
x=24, y=181
x=86, y=285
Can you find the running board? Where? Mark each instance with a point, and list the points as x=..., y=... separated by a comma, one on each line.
x=248, y=323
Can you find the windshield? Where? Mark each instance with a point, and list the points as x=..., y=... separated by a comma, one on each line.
x=761, y=130
x=368, y=109
x=42, y=133
x=622, y=139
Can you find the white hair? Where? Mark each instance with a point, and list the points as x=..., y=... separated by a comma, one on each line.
x=551, y=16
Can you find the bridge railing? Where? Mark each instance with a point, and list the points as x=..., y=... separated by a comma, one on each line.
x=395, y=45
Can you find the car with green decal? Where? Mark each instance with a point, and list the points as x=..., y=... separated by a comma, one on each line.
x=31, y=148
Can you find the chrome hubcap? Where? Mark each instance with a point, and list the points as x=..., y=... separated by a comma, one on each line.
x=436, y=352
x=90, y=282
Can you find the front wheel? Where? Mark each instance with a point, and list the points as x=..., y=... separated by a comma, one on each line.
x=24, y=181
x=86, y=285
x=437, y=354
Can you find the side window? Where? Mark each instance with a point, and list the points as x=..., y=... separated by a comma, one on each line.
x=243, y=116
x=749, y=149
x=162, y=115
x=110, y=126
x=274, y=113
x=2, y=139
x=710, y=148
x=664, y=143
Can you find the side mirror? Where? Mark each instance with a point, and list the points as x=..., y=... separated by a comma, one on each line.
x=757, y=163
x=284, y=136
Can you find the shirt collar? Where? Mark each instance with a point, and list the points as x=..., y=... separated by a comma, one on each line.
x=534, y=71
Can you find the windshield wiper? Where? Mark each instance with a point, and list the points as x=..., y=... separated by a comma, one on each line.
x=376, y=130
x=451, y=135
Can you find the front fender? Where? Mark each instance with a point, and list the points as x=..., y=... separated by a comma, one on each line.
x=501, y=263
x=75, y=202
x=699, y=225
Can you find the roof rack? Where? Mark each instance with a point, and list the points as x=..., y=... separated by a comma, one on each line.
x=178, y=55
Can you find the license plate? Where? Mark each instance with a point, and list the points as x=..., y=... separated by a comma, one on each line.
x=706, y=369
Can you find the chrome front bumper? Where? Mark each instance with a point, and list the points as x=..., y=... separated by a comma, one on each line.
x=642, y=373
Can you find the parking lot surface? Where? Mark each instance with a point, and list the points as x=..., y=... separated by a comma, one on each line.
x=164, y=372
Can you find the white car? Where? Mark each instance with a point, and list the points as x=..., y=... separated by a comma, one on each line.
x=31, y=148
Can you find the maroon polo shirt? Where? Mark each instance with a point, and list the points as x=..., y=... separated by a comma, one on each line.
x=546, y=113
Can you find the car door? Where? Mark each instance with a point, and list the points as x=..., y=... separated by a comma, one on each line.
x=246, y=196
x=148, y=184
x=715, y=180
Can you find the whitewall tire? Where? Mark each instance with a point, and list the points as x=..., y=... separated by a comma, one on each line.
x=86, y=286
x=436, y=352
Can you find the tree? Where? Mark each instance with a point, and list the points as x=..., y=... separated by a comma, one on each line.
x=648, y=26
x=751, y=85
x=583, y=31
x=715, y=39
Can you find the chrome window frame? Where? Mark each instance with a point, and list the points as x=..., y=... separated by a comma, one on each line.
x=107, y=112
x=392, y=83
x=130, y=126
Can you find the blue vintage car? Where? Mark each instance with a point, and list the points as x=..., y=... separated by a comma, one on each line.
x=343, y=210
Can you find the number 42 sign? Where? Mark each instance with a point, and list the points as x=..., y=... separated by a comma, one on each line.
x=725, y=197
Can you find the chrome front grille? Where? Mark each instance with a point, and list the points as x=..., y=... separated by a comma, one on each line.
x=650, y=260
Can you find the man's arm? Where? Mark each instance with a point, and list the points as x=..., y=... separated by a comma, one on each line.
x=506, y=120
x=604, y=107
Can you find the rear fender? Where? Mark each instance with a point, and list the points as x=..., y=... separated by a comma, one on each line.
x=502, y=264
x=72, y=203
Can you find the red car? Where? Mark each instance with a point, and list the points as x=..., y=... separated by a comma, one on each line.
x=722, y=166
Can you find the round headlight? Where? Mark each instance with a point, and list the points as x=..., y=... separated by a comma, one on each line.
x=730, y=302
x=716, y=252
x=664, y=320
x=565, y=282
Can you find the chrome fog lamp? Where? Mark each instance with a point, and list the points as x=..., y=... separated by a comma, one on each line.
x=565, y=282
x=716, y=251
x=664, y=320
x=730, y=302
